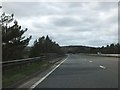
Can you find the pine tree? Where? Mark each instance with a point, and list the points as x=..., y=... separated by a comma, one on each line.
x=13, y=41
x=44, y=46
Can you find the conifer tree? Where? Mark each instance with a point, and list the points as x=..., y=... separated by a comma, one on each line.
x=13, y=41
x=44, y=45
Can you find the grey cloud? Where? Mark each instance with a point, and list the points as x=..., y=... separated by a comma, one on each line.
x=27, y=9
x=68, y=23
x=23, y=9
x=107, y=5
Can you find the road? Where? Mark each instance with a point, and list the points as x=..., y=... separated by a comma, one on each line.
x=83, y=71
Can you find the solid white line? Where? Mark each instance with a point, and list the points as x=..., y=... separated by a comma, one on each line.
x=38, y=82
x=102, y=67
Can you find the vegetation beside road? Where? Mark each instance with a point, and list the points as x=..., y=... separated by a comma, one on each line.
x=11, y=76
x=15, y=46
x=108, y=49
x=14, y=76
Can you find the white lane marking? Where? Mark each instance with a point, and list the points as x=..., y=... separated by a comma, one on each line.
x=38, y=82
x=90, y=61
x=102, y=67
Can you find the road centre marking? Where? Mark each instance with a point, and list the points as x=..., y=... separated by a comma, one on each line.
x=90, y=61
x=38, y=82
x=102, y=67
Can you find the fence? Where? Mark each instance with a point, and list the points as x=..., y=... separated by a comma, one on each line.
x=21, y=62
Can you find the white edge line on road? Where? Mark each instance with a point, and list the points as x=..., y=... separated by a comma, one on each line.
x=102, y=67
x=38, y=82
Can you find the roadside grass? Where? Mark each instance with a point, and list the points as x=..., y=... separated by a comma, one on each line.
x=17, y=73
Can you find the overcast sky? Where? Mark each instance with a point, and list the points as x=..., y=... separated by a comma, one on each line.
x=75, y=23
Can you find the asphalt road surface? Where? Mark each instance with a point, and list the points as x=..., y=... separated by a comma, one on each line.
x=83, y=71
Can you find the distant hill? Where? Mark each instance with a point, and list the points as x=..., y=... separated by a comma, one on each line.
x=79, y=49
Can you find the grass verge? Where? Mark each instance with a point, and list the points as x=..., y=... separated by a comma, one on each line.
x=17, y=73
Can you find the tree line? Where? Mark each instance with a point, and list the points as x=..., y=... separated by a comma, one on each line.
x=45, y=45
x=14, y=43
x=110, y=49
